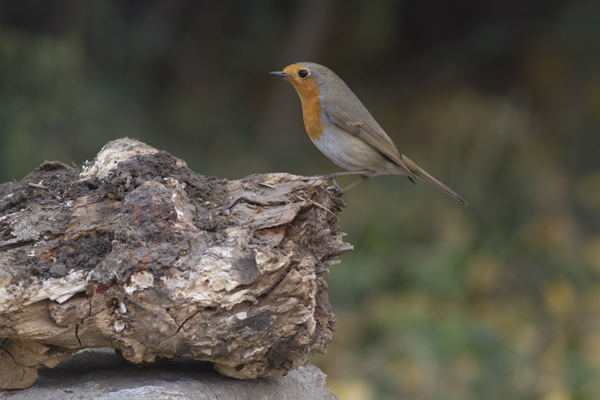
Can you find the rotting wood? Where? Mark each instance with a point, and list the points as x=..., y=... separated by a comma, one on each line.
x=136, y=252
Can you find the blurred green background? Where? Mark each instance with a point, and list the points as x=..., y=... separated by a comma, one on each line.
x=499, y=100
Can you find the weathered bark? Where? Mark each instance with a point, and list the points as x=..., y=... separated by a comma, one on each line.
x=136, y=252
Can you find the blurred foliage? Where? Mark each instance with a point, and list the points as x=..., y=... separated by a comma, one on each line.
x=499, y=100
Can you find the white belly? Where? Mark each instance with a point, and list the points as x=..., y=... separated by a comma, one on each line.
x=351, y=153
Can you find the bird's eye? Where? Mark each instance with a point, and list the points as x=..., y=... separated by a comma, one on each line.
x=302, y=73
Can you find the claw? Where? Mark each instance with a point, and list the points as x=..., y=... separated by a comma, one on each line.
x=338, y=189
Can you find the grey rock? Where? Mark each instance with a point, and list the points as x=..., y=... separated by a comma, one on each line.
x=101, y=374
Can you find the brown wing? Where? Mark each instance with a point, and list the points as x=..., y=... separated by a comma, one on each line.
x=367, y=129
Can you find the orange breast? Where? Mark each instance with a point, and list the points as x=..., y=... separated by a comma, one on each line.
x=311, y=107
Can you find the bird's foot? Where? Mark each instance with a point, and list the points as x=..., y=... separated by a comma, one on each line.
x=335, y=189
x=338, y=190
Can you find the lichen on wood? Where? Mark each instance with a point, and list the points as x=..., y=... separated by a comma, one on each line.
x=136, y=252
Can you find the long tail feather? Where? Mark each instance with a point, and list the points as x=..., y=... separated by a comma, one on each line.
x=424, y=176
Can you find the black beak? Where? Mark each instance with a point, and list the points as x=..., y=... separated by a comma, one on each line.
x=280, y=74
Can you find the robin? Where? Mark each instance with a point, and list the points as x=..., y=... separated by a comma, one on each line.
x=342, y=128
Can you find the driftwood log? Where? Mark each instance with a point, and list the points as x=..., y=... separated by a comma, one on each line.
x=136, y=252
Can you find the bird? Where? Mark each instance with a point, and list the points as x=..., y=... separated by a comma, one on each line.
x=343, y=129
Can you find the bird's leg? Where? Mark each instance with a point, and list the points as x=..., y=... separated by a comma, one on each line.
x=342, y=173
x=338, y=189
x=350, y=186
